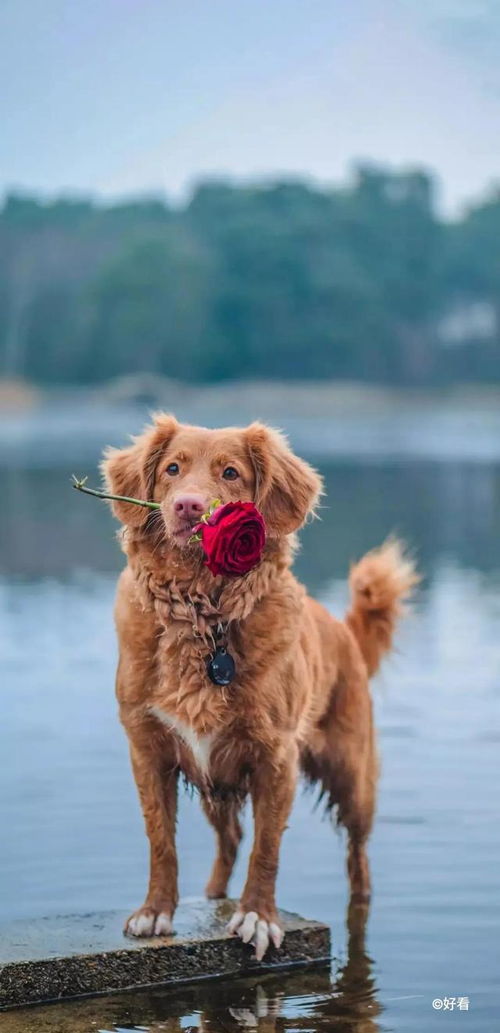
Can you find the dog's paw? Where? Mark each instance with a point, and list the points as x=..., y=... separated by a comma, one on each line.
x=146, y=921
x=251, y=928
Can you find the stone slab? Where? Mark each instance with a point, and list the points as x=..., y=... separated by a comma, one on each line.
x=68, y=956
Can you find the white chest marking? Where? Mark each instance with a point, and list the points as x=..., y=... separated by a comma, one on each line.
x=200, y=745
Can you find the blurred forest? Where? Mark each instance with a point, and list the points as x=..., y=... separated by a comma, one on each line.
x=361, y=282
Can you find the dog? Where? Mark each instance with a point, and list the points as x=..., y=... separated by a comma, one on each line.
x=300, y=700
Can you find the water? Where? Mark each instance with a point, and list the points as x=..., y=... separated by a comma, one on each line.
x=72, y=832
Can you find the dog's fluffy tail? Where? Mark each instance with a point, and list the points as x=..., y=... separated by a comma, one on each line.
x=380, y=582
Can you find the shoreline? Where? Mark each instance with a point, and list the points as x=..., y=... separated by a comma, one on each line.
x=324, y=421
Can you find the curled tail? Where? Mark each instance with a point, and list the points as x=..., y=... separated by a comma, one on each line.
x=379, y=583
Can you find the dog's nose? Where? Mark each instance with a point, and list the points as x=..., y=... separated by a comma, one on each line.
x=189, y=506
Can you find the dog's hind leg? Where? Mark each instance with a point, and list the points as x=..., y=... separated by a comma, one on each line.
x=353, y=786
x=223, y=816
x=355, y=811
x=343, y=760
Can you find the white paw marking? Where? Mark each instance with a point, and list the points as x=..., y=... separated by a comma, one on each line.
x=200, y=745
x=234, y=922
x=149, y=924
x=141, y=924
x=277, y=934
x=163, y=924
x=249, y=927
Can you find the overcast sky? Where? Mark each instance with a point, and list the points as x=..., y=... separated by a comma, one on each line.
x=119, y=97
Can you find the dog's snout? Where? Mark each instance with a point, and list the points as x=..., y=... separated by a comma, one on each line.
x=189, y=506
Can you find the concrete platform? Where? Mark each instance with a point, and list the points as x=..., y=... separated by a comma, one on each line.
x=69, y=956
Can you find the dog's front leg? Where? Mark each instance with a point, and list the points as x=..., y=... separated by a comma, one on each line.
x=156, y=776
x=273, y=789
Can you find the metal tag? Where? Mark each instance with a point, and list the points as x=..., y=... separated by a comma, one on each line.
x=221, y=668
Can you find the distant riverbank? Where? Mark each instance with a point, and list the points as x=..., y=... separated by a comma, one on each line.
x=328, y=418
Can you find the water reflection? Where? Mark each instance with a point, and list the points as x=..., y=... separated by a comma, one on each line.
x=310, y=1001
x=307, y=1000
x=75, y=840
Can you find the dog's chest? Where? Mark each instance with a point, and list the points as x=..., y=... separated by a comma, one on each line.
x=200, y=746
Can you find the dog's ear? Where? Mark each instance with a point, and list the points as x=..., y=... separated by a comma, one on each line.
x=287, y=489
x=131, y=471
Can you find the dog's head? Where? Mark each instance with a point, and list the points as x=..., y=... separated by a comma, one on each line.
x=185, y=468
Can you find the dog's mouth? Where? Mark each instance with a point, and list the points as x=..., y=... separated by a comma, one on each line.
x=182, y=532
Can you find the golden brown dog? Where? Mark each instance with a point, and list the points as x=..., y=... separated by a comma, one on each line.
x=300, y=699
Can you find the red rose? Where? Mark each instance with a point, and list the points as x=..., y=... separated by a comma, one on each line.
x=233, y=538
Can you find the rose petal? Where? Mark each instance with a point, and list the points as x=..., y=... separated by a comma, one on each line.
x=233, y=539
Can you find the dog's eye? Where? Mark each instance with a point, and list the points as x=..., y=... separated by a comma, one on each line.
x=172, y=469
x=230, y=474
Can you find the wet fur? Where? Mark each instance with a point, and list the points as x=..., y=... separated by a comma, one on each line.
x=300, y=700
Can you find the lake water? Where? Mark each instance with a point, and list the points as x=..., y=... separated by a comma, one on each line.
x=72, y=835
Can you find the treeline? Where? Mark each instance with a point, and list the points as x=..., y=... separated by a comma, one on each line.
x=363, y=281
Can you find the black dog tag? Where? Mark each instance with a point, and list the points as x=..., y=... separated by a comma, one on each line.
x=221, y=668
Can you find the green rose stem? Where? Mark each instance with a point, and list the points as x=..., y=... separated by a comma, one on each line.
x=80, y=485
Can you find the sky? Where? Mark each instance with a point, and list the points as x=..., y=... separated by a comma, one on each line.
x=123, y=97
